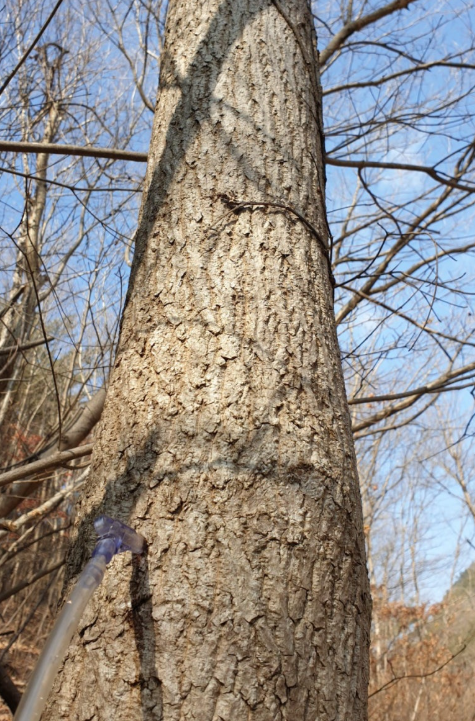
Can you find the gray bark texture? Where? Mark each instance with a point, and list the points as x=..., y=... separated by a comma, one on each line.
x=225, y=437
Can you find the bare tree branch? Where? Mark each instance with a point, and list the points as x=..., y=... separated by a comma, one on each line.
x=409, y=399
x=58, y=459
x=40, y=511
x=25, y=346
x=361, y=164
x=55, y=149
x=421, y=67
x=77, y=431
x=355, y=25
x=29, y=581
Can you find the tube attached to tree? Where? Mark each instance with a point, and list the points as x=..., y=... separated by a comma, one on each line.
x=114, y=537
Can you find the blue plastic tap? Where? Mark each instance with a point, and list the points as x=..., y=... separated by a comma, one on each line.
x=113, y=537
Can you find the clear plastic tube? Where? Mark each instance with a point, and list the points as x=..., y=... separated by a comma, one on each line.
x=34, y=699
x=116, y=537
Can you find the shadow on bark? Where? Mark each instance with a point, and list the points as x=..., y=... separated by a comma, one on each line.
x=197, y=89
x=145, y=641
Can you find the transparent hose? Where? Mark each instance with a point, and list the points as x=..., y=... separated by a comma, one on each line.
x=114, y=537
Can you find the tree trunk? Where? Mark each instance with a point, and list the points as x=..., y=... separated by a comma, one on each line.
x=226, y=438
x=19, y=319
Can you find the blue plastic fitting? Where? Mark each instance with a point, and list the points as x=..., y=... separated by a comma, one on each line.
x=113, y=537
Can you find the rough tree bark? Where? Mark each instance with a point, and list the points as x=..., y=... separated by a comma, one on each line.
x=225, y=438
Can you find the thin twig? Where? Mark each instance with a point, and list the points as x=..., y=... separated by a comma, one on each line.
x=26, y=54
x=417, y=675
